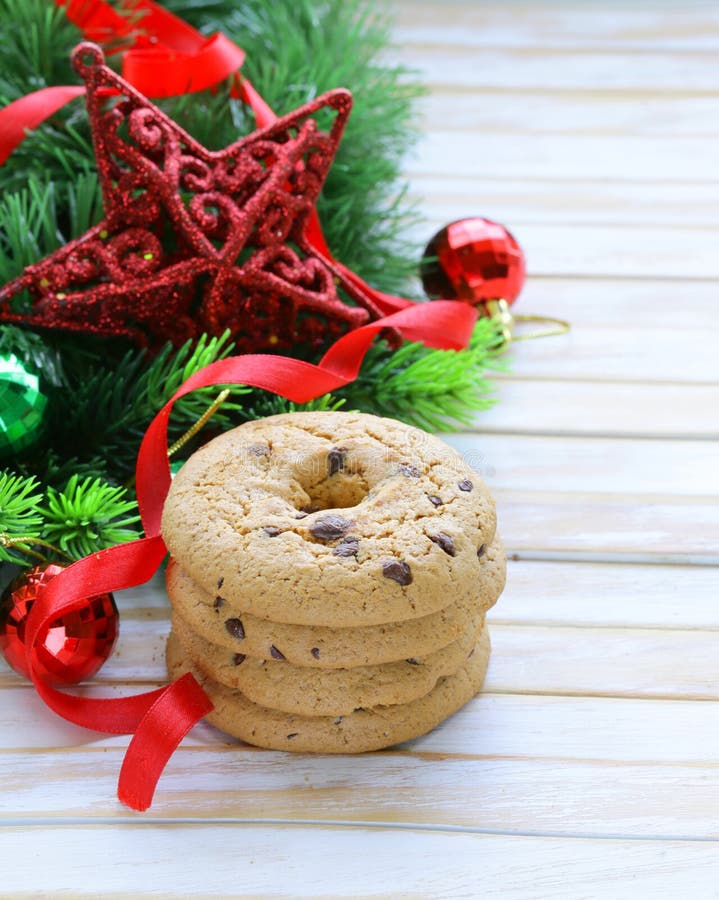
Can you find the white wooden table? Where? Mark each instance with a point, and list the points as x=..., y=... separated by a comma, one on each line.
x=588, y=767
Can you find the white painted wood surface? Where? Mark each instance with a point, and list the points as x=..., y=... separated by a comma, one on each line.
x=589, y=765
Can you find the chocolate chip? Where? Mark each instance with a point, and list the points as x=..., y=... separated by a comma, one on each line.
x=443, y=540
x=258, y=450
x=219, y=603
x=413, y=662
x=293, y=735
x=349, y=546
x=409, y=471
x=235, y=628
x=465, y=485
x=338, y=720
x=239, y=658
x=397, y=570
x=276, y=654
x=220, y=582
x=310, y=508
x=435, y=501
x=335, y=461
x=315, y=652
x=271, y=530
x=329, y=528
x=482, y=550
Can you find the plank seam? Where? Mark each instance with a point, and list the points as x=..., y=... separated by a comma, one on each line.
x=74, y=821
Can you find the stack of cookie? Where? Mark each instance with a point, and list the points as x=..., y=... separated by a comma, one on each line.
x=330, y=577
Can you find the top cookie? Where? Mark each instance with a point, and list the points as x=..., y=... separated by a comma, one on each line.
x=330, y=518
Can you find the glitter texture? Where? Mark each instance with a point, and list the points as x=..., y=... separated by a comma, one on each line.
x=74, y=647
x=474, y=260
x=193, y=240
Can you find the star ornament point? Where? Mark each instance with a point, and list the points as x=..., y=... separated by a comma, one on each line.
x=193, y=240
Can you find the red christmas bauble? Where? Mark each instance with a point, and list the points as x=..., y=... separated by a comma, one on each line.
x=74, y=647
x=474, y=260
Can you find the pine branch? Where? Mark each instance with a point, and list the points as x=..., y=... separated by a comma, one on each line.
x=259, y=404
x=88, y=516
x=20, y=520
x=112, y=406
x=43, y=216
x=433, y=389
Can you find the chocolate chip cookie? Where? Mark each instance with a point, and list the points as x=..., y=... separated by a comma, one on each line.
x=280, y=685
x=214, y=618
x=330, y=519
x=360, y=731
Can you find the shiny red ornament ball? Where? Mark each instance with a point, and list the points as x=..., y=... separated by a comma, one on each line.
x=474, y=260
x=74, y=647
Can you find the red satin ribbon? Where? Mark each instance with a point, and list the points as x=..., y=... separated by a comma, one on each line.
x=21, y=116
x=159, y=719
x=168, y=58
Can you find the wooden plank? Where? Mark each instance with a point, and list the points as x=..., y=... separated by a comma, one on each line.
x=555, y=797
x=525, y=726
x=591, y=594
x=636, y=662
x=563, y=157
x=625, y=303
x=608, y=662
x=559, y=201
x=610, y=527
x=527, y=463
x=611, y=353
x=300, y=861
x=551, y=67
x=518, y=113
x=663, y=26
x=553, y=407
x=492, y=725
x=560, y=592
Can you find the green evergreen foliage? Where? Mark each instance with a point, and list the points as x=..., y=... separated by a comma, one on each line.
x=109, y=414
x=73, y=493
x=19, y=516
x=64, y=525
x=432, y=389
x=88, y=515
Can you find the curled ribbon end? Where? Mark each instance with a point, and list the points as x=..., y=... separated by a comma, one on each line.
x=178, y=708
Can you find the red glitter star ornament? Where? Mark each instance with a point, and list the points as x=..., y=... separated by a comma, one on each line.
x=195, y=240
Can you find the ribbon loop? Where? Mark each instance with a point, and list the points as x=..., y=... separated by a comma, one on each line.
x=163, y=72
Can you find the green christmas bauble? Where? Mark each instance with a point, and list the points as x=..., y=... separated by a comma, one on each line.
x=22, y=408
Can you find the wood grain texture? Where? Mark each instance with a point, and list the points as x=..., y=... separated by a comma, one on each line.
x=638, y=410
x=568, y=797
x=587, y=767
x=531, y=658
x=232, y=860
x=493, y=725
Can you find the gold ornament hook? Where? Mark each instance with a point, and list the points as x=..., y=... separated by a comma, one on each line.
x=500, y=312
